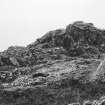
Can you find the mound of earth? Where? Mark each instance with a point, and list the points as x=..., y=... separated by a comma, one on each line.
x=65, y=66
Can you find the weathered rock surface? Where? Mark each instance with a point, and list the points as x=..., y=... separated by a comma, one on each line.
x=63, y=67
x=77, y=37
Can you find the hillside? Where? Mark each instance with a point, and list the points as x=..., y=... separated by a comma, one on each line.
x=65, y=66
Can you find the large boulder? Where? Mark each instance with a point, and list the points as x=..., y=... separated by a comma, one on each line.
x=14, y=61
x=85, y=32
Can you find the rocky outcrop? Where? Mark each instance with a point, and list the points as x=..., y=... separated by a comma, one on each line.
x=76, y=39
x=59, y=68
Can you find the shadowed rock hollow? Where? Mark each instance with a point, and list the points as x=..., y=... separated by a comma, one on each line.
x=63, y=67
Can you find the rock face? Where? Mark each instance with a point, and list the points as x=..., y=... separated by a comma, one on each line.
x=59, y=68
x=76, y=39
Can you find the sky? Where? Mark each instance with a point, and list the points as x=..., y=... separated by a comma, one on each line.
x=23, y=21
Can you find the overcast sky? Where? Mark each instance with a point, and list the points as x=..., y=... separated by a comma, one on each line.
x=22, y=21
